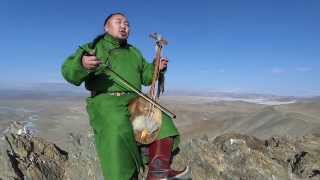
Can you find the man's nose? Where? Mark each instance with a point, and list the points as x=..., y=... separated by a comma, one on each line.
x=123, y=25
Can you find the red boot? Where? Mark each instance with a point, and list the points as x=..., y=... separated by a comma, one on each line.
x=160, y=160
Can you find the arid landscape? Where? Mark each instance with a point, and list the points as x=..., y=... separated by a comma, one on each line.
x=58, y=116
x=55, y=113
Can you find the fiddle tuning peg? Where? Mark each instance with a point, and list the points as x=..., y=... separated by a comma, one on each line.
x=160, y=41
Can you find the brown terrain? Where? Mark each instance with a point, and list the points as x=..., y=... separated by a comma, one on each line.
x=62, y=120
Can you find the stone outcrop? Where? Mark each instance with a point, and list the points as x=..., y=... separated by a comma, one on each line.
x=242, y=157
x=26, y=157
x=229, y=156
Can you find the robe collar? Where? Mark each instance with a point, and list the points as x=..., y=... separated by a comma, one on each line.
x=115, y=42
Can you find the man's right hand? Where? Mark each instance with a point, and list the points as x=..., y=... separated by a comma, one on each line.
x=90, y=62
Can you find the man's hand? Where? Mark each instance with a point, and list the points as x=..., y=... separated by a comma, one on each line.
x=163, y=64
x=90, y=62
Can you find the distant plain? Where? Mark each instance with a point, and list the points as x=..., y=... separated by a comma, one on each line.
x=54, y=116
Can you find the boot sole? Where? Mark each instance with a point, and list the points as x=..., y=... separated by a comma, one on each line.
x=185, y=175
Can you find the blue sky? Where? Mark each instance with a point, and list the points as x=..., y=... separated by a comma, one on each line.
x=263, y=46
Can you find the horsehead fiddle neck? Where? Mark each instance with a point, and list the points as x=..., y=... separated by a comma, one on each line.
x=160, y=43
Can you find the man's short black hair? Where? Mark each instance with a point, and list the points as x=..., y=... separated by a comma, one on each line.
x=110, y=16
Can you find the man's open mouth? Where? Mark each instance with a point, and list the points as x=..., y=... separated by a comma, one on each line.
x=123, y=32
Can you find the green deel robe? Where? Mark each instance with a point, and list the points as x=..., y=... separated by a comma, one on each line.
x=117, y=149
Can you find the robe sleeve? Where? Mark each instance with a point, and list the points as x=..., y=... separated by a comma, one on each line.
x=72, y=69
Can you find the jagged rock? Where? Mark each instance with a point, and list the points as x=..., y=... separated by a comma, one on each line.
x=23, y=156
x=30, y=157
x=229, y=156
x=235, y=156
x=83, y=163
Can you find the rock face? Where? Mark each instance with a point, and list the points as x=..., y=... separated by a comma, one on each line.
x=83, y=163
x=235, y=156
x=24, y=156
x=229, y=156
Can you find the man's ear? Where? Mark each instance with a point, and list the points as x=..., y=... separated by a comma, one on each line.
x=105, y=29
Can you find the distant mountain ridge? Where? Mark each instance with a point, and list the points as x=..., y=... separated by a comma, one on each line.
x=65, y=89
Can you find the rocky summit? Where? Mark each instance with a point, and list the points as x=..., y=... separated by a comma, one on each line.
x=243, y=157
x=225, y=157
x=27, y=157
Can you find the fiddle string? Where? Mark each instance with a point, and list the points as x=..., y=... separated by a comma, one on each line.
x=154, y=84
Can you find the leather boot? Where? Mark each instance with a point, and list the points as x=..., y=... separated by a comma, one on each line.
x=160, y=160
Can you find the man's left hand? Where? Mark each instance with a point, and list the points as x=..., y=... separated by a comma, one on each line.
x=163, y=64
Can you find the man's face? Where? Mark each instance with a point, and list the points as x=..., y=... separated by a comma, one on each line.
x=118, y=27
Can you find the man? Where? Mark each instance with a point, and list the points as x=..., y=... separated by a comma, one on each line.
x=117, y=149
